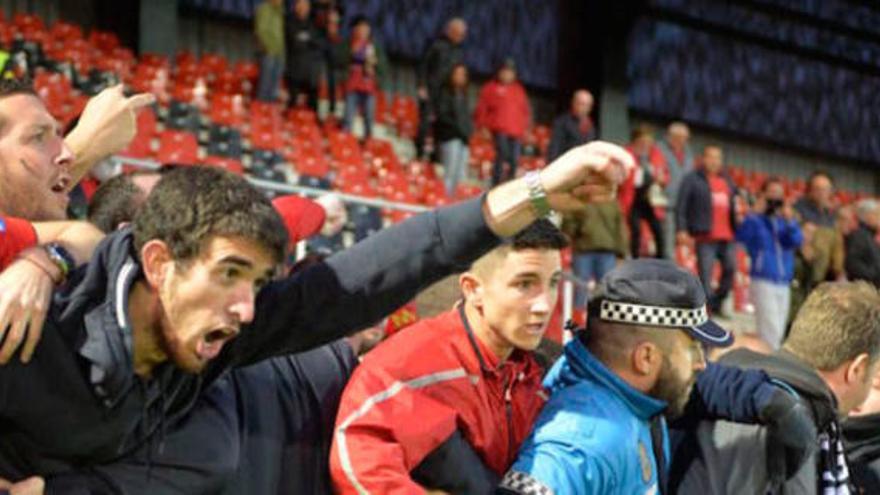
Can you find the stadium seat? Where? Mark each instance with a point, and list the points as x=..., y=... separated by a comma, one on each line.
x=178, y=147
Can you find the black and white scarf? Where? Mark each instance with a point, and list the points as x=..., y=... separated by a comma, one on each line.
x=833, y=468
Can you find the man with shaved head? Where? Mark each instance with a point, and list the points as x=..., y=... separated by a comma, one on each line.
x=573, y=127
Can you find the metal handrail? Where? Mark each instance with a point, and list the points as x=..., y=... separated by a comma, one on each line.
x=293, y=189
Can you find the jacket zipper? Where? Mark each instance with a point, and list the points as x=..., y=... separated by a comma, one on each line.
x=508, y=407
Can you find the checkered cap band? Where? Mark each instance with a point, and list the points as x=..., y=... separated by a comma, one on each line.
x=523, y=484
x=640, y=314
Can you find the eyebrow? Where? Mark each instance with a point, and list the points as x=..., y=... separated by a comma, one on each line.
x=238, y=261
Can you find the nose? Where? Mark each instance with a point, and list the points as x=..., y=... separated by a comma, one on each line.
x=65, y=158
x=699, y=358
x=543, y=304
x=243, y=304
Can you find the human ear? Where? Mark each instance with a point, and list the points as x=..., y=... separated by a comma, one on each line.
x=156, y=262
x=646, y=358
x=471, y=288
x=857, y=370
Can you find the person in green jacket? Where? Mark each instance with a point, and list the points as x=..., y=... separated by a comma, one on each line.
x=598, y=239
x=365, y=63
x=269, y=29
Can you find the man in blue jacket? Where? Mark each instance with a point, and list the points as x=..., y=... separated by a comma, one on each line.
x=604, y=431
x=771, y=235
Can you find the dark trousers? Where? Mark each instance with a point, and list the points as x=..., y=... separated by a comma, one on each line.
x=642, y=210
x=296, y=87
x=506, y=158
x=707, y=253
x=424, y=127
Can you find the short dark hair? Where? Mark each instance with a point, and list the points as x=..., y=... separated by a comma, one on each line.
x=641, y=130
x=191, y=205
x=115, y=202
x=13, y=86
x=541, y=234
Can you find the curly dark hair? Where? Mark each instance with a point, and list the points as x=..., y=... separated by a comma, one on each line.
x=191, y=205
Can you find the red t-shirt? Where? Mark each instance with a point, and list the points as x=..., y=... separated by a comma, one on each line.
x=16, y=235
x=721, y=228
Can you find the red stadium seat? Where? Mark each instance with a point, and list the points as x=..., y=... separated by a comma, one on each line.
x=178, y=147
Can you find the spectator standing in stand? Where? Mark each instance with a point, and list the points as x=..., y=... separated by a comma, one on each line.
x=441, y=56
x=304, y=48
x=327, y=16
x=705, y=215
x=452, y=128
x=366, y=64
x=503, y=110
x=643, y=194
x=598, y=237
x=771, y=235
x=573, y=127
x=822, y=258
x=679, y=162
x=269, y=29
x=862, y=250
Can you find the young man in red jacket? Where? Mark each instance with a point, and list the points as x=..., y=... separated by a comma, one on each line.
x=467, y=376
x=503, y=109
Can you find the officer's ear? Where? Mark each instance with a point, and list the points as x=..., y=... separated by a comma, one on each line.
x=156, y=262
x=647, y=358
x=471, y=288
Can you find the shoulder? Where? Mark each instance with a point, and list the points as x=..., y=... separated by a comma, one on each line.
x=584, y=417
x=406, y=353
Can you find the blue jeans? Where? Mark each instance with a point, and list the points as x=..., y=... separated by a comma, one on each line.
x=271, y=68
x=506, y=152
x=367, y=104
x=454, y=157
x=590, y=266
x=707, y=253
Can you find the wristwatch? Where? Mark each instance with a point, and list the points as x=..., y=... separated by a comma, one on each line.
x=61, y=257
x=537, y=194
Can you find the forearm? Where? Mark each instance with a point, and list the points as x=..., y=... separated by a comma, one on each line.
x=84, y=155
x=79, y=238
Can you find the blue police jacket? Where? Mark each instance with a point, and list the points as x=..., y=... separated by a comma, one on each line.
x=593, y=436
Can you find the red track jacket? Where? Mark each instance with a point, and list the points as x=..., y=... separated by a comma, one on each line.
x=503, y=108
x=413, y=391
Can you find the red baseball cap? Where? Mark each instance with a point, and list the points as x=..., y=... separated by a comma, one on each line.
x=302, y=217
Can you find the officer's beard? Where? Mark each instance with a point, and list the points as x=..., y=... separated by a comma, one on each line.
x=671, y=389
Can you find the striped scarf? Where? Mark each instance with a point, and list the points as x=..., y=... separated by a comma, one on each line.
x=832, y=463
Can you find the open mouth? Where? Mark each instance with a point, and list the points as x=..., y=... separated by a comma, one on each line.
x=535, y=328
x=61, y=186
x=212, y=343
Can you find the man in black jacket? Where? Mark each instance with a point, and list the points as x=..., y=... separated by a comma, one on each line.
x=135, y=336
x=829, y=360
x=442, y=55
x=304, y=51
x=705, y=217
x=862, y=251
x=574, y=127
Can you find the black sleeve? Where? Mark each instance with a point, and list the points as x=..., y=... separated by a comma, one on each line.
x=428, y=62
x=456, y=468
x=682, y=204
x=359, y=286
x=556, y=139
